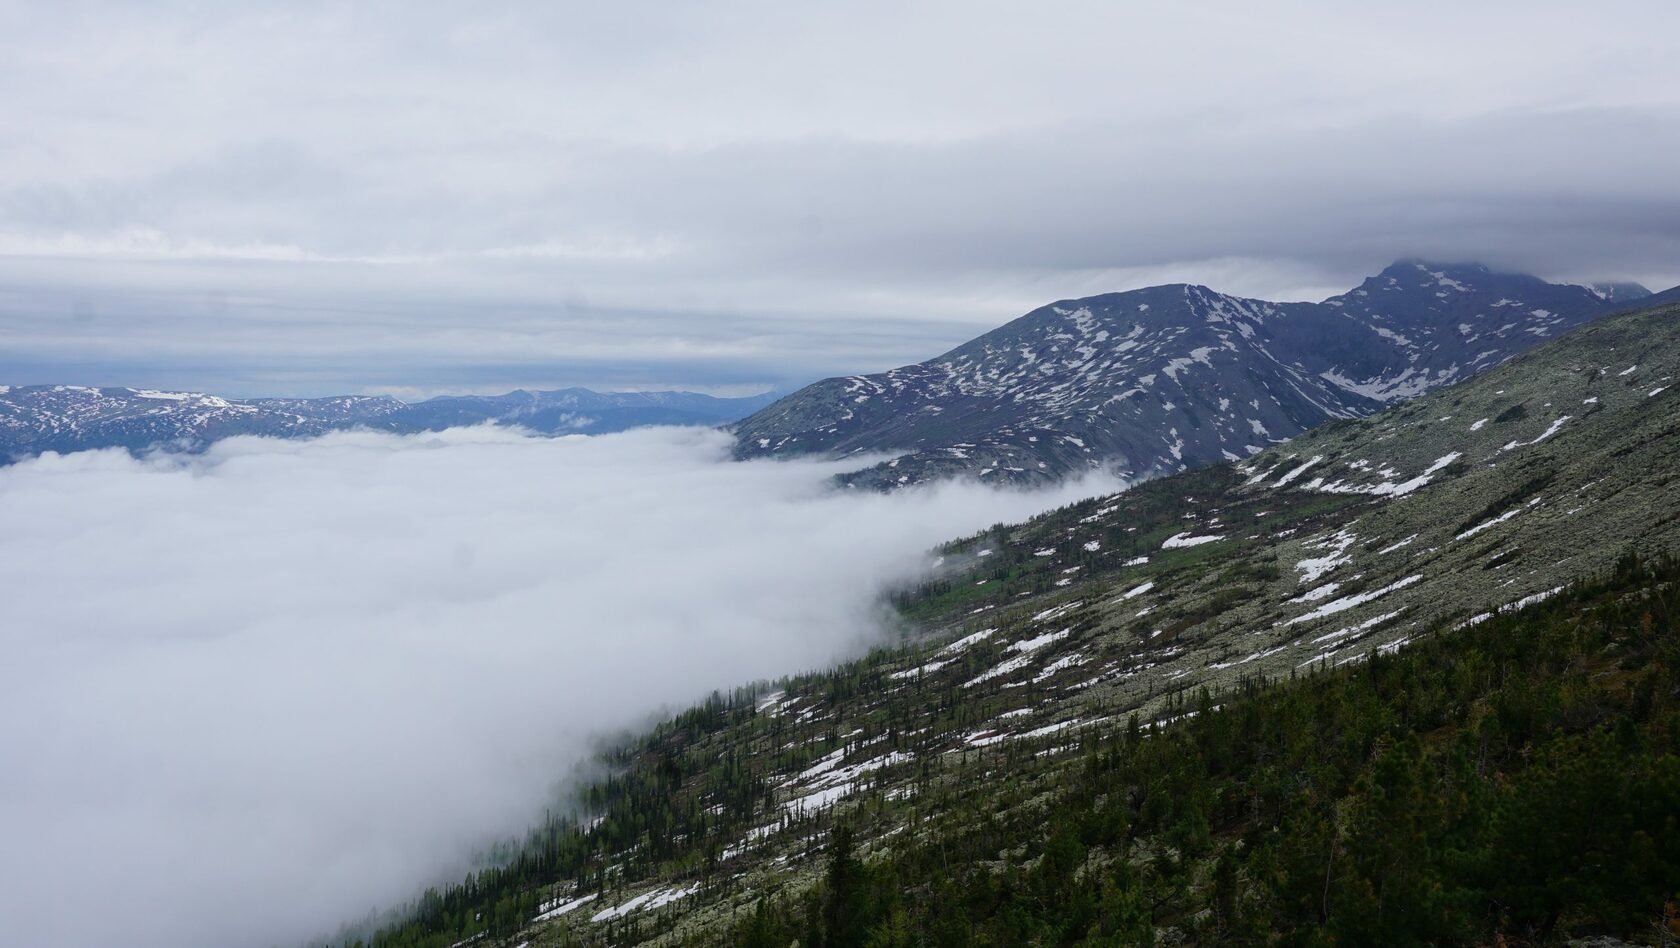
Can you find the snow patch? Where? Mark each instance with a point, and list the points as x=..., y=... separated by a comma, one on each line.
x=556, y=909
x=1180, y=540
x=1348, y=602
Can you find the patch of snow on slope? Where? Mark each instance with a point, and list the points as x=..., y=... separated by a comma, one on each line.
x=1025, y=647
x=1179, y=540
x=1297, y=472
x=650, y=900
x=1005, y=667
x=817, y=801
x=563, y=907
x=1389, y=488
x=1370, y=623
x=1396, y=546
x=1066, y=661
x=1478, y=528
x=1441, y=279
x=966, y=641
x=1037, y=642
x=1056, y=612
x=1553, y=429
x=827, y=763
x=1264, y=653
x=1334, y=638
x=918, y=671
x=848, y=775
x=1348, y=602
x=1314, y=595
x=1314, y=568
x=1137, y=591
x=1531, y=600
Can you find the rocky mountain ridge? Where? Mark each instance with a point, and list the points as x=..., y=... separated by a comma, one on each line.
x=1168, y=378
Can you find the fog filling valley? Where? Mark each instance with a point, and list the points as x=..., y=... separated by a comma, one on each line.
x=252, y=694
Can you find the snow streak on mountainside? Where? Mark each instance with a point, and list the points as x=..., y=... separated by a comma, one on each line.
x=1172, y=377
x=39, y=418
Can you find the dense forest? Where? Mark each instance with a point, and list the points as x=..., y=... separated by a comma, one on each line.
x=1514, y=783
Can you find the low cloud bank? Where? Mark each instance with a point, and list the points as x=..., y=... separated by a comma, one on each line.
x=249, y=695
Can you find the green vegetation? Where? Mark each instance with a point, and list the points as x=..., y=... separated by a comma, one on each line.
x=1518, y=781
x=1509, y=774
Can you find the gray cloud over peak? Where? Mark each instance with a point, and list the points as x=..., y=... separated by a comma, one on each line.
x=259, y=691
x=724, y=194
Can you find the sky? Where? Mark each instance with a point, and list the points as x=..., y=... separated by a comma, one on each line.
x=249, y=695
x=416, y=198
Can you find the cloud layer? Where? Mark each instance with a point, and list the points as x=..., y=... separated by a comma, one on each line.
x=308, y=197
x=252, y=694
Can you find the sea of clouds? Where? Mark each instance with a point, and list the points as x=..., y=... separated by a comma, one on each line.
x=251, y=694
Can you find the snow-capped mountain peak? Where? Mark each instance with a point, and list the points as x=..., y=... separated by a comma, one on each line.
x=1164, y=378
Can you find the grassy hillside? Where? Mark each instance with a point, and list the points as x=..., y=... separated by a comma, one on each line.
x=1000, y=739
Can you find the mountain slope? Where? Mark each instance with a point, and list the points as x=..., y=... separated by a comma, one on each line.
x=1506, y=784
x=1459, y=520
x=38, y=418
x=1167, y=378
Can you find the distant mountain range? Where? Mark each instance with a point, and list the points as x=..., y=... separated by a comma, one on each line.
x=39, y=418
x=1169, y=378
x=1147, y=382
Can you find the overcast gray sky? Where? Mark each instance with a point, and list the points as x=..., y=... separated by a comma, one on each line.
x=406, y=197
